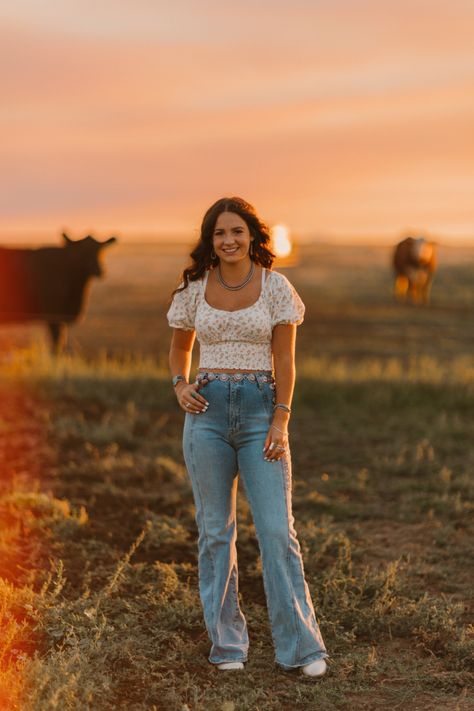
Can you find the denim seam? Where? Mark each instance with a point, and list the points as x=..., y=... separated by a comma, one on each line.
x=191, y=449
x=237, y=406
x=236, y=593
x=285, y=479
x=234, y=581
x=265, y=580
x=266, y=401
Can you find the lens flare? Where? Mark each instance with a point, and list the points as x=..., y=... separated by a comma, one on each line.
x=281, y=240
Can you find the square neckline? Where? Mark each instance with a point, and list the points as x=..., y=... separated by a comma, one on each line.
x=228, y=311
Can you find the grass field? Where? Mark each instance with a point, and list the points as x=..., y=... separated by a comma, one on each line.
x=98, y=544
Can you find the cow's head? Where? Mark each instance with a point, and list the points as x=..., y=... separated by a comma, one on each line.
x=86, y=254
x=424, y=250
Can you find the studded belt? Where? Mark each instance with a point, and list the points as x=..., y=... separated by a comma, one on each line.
x=263, y=377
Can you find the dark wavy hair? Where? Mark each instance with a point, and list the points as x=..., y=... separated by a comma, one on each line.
x=201, y=253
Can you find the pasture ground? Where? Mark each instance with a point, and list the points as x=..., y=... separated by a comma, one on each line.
x=98, y=595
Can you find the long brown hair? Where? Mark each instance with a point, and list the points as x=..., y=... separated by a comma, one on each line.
x=201, y=253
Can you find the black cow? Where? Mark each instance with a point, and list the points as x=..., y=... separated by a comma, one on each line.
x=49, y=283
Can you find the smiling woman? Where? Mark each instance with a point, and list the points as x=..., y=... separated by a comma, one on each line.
x=237, y=415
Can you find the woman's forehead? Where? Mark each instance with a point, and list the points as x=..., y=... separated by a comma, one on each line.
x=229, y=219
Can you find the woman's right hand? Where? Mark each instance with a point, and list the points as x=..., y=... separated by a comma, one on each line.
x=189, y=398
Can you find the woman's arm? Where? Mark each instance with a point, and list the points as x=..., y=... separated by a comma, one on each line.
x=181, y=352
x=180, y=356
x=283, y=348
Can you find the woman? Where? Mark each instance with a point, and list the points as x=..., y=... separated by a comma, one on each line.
x=237, y=414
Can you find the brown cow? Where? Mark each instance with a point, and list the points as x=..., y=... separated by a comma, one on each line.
x=414, y=262
x=49, y=283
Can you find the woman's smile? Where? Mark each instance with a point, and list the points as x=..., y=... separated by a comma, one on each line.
x=231, y=236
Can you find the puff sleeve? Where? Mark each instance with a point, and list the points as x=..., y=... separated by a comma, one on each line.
x=286, y=305
x=182, y=311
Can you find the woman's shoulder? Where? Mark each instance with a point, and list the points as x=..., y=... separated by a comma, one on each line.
x=277, y=280
x=286, y=305
x=196, y=284
x=193, y=286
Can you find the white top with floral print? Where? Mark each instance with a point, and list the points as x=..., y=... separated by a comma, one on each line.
x=240, y=338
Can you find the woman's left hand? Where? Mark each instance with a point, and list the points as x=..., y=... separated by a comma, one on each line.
x=276, y=443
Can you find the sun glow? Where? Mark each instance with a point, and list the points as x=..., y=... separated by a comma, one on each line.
x=281, y=240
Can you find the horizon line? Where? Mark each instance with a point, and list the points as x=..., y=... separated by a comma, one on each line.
x=151, y=239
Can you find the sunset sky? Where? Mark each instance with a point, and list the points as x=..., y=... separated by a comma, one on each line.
x=344, y=119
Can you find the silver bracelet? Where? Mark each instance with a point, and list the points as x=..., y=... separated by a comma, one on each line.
x=278, y=429
x=282, y=406
x=178, y=379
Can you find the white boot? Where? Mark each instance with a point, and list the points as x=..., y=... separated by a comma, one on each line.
x=231, y=665
x=316, y=668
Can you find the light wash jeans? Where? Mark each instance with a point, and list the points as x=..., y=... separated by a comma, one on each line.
x=219, y=444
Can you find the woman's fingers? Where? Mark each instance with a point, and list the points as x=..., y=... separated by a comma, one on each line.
x=195, y=394
x=188, y=407
x=202, y=383
x=273, y=457
x=273, y=449
x=191, y=401
x=191, y=405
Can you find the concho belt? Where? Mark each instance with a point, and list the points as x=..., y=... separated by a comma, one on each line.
x=264, y=377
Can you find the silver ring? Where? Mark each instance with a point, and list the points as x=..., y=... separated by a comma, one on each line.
x=280, y=447
x=188, y=404
x=272, y=445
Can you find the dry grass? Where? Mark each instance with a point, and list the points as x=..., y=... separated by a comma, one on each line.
x=98, y=596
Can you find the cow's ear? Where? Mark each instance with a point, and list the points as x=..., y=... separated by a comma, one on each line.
x=111, y=240
x=66, y=238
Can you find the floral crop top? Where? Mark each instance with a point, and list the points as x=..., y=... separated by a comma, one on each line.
x=240, y=338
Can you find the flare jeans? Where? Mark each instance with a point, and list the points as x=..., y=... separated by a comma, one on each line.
x=218, y=445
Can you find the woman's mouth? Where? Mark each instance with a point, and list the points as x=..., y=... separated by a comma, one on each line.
x=230, y=250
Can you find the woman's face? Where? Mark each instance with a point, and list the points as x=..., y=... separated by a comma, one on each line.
x=231, y=238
